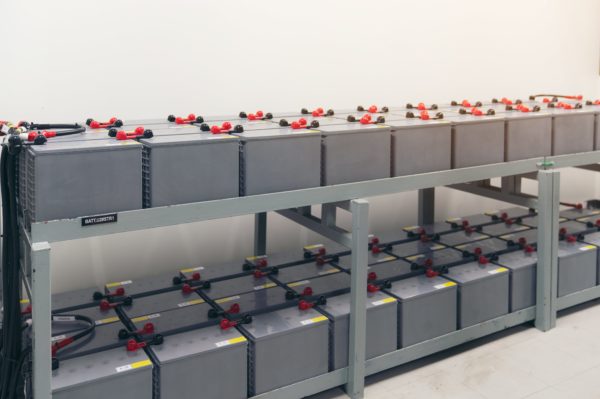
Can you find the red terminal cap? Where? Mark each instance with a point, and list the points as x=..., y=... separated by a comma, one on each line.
x=508, y=222
x=375, y=249
x=105, y=305
x=477, y=251
x=428, y=262
x=562, y=231
x=571, y=238
x=506, y=101
x=466, y=103
x=366, y=119
x=469, y=229
x=187, y=289
x=234, y=309
x=424, y=115
x=305, y=305
x=422, y=231
x=27, y=310
x=180, y=121
x=259, y=274
x=421, y=106
x=133, y=345
x=546, y=100
x=597, y=222
x=196, y=276
x=372, y=276
x=322, y=251
x=371, y=288
x=483, y=260
x=226, y=324
x=372, y=109
x=424, y=238
x=476, y=112
x=31, y=136
x=147, y=329
x=524, y=109
x=504, y=216
x=308, y=291
x=61, y=344
x=579, y=206
x=522, y=240
x=465, y=223
x=431, y=273
x=529, y=249
x=375, y=240
x=320, y=261
x=262, y=262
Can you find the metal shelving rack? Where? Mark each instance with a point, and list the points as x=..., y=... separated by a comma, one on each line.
x=296, y=205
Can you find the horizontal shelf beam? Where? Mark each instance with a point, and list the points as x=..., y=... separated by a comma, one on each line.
x=495, y=193
x=447, y=341
x=64, y=230
x=577, y=298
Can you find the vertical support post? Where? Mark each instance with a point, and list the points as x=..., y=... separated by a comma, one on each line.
x=40, y=304
x=358, y=299
x=328, y=215
x=547, y=249
x=426, y=206
x=260, y=233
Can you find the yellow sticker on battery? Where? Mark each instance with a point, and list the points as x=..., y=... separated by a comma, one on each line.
x=227, y=299
x=297, y=283
x=450, y=220
x=507, y=236
x=118, y=283
x=144, y=318
x=587, y=248
x=386, y=259
x=193, y=269
x=190, y=303
x=107, y=320
x=330, y=271
x=24, y=301
x=314, y=246
x=415, y=257
x=436, y=247
x=231, y=341
x=461, y=246
x=133, y=366
x=264, y=286
x=498, y=270
x=409, y=228
x=444, y=285
x=384, y=301
x=313, y=320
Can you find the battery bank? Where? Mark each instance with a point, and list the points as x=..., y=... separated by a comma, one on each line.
x=499, y=229
x=192, y=364
x=427, y=308
x=58, y=187
x=486, y=247
x=461, y=237
x=382, y=324
x=182, y=169
x=280, y=159
x=468, y=134
x=410, y=136
x=577, y=267
x=286, y=346
x=116, y=373
x=355, y=152
x=522, y=268
x=483, y=292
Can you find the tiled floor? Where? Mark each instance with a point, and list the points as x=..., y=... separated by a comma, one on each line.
x=518, y=363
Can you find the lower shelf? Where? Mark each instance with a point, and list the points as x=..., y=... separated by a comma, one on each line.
x=577, y=298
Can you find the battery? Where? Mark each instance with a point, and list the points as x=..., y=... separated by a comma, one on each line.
x=70, y=300
x=382, y=324
x=528, y=135
x=533, y=221
x=303, y=271
x=194, y=363
x=522, y=277
x=214, y=271
x=577, y=267
x=482, y=292
x=572, y=227
x=285, y=346
x=143, y=286
x=98, y=316
x=256, y=302
x=328, y=285
x=181, y=169
x=461, y=237
x=573, y=130
x=487, y=247
x=110, y=167
x=427, y=308
x=468, y=134
x=174, y=321
x=161, y=302
x=416, y=247
x=439, y=258
x=345, y=262
x=428, y=229
x=499, y=229
x=355, y=152
x=410, y=136
x=521, y=237
x=280, y=159
x=116, y=373
x=594, y=239
x=389, y=271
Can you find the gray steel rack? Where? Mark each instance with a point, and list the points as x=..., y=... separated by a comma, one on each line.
x=296, y=205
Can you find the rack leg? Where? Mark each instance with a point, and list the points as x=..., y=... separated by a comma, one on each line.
x=41, y=288
x=358, y=312
x=547, y=247
x=329, y=214
x=426, y=206
x=260, y=233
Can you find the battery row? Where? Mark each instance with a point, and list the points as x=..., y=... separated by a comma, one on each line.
x=177, y=160
x=239, y=329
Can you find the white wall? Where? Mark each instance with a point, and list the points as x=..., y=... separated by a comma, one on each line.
x=67, y=60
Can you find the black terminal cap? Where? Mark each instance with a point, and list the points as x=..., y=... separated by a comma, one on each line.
x=283, y=122
x=351, y=118
x=360, y=108
x=204, y=127
x=314, y=124
x=238, y=128
x=243, y=115
x=304, y=111
x=112, y=132
x=88, y=121
x=171, y=118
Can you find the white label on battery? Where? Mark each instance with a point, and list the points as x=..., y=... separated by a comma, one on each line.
x=313, y=320
x=383, y=301
x=444, y=285
x=587, y=248
x=262, y=287
x=63, y=318
x=126, y=282
x=133, y=366
x=498, y=270
x=58, y=338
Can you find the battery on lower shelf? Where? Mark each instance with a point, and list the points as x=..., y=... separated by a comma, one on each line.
x=486, y=247
x=522, y=267
x=461, y=237
x=286, y=346
x=577, y=213
x=373, y=258
x=577, y=266
x=143, y=286
x=161, y=302
x=427, y=308
x=499, y=229
x=415, y=247
x=256, y=302
x=329, y=285
x=238, y=285
x=114, y=373
x=483, y=292
x=382, y=324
